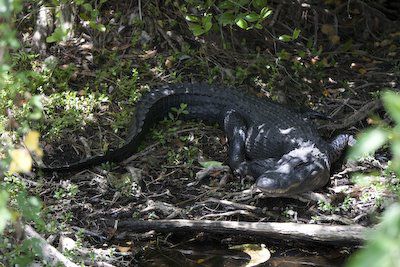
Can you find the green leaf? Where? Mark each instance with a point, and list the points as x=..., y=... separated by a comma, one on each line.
x=265, y=12
x=296, y=34
x=192, y=18
x=258, y=4
x=226, y=19
x=30, y=208
x=57, y=36
x=207, y=23
x=252, y=17
x=5, y=214
x=285, y=38
x=97, y=26
x=210, y=164
x=100, y=27
x=391, y=101
x=368, y=143
x=196, y=29
x=395, y=148
x=6, y=8
x=242, y=23
x=226, y=5
x=87, y=6
x=383, y=245
x=258, y=26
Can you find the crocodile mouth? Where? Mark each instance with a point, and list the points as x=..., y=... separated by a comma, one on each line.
x=294, y=181
x=273, y=188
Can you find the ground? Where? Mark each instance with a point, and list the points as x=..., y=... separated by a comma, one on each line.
x=340, y=78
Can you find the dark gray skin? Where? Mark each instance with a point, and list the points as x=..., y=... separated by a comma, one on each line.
x=275, y=145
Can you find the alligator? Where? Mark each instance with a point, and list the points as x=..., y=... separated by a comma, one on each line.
x=276, y=145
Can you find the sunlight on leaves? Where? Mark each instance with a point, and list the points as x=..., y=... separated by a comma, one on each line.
x=242, y=23
x=368, y=142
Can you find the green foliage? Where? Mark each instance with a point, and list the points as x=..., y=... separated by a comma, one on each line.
x=19, y=254
x=58, y=35
x=17, y=99
x=383, y=248
x=69, y=192
x=210, y=164
x=373, y=139
x=5, y=214
x=71, y=110
x=88, y=14
x=244, y=14
x=91, y=14
x=288, y=38
x=368, y=142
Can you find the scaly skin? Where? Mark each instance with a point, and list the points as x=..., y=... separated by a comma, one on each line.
x=268, y=141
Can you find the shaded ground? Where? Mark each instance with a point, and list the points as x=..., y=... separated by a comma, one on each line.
x=338, y=78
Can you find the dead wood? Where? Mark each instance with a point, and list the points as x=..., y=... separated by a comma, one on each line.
x=306, y=232
x=359, y=115
x=50, y=253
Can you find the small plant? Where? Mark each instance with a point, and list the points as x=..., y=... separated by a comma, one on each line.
x=326, y=207
x=244, y=14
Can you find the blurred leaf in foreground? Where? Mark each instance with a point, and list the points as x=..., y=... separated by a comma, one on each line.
x=383, y=249
x=368, y=142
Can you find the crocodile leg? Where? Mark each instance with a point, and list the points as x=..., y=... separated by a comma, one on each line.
x=235, y=129
x=339, y=144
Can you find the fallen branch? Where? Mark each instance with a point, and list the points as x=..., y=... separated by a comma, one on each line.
x=49, y=253
x=359, y=115
x=305, y=232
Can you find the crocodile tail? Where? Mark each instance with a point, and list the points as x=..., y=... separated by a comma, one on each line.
x=153, y=107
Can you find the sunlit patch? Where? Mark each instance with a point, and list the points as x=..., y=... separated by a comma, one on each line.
x=286, y=131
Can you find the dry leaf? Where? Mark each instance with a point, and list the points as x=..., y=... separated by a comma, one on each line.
x=32, y=142
x=169, y=62
x=335, y=39
x=325, y=62
x=258, y=253
x=123, y=249
x=328, y=29
x=362, y=71
x=148, y=54
x=314, y=60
